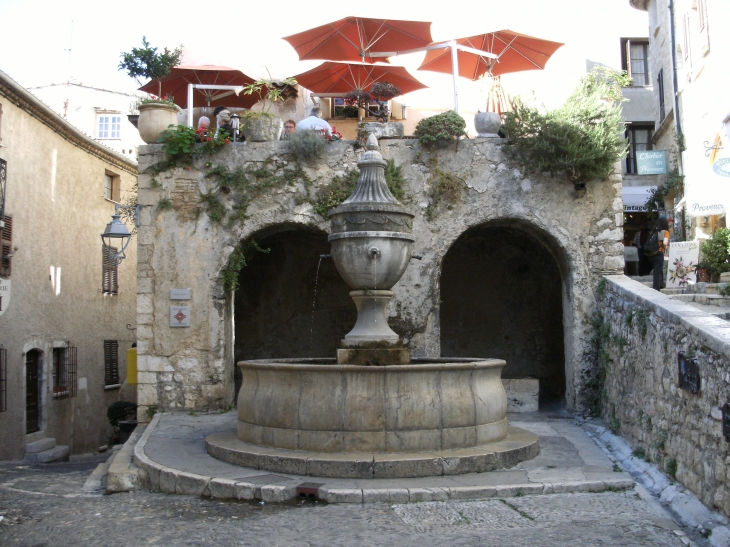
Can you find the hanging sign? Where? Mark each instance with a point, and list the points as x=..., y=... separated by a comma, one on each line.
x=722, y=167
x=4, y=295
x=683, y=257
x=651, y=162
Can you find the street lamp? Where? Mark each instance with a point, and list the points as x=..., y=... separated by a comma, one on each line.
x=117, y=234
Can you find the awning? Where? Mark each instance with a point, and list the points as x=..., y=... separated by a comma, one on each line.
x=704, y=202
x=635, y=198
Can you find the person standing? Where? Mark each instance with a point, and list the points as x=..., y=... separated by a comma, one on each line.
x=639, y=241
x=654, y=250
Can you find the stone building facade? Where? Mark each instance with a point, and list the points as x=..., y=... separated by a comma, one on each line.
x=509, y=266
x=58, y=329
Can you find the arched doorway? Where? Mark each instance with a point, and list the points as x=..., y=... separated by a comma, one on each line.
x=276, y=314
x=502, y=297
x=32, y=391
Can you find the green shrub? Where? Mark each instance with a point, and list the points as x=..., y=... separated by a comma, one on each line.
x=307, y=145
x=582, y=139
x=716, y=252
x=441, y=129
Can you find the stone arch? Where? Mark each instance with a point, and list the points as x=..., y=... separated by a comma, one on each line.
x=275, y=311
x=505, y=293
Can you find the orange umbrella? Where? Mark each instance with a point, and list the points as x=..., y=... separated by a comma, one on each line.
x=176, y=85
x=332, y=77
x=350, y=38
x=515, y=53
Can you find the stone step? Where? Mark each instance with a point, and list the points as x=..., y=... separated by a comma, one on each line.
x=40, y=445
x=57, y=453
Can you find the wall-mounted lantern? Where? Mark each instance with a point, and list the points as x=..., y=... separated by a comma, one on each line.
x=117, y=234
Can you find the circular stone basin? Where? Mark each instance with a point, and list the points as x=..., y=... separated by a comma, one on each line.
x=319, y=406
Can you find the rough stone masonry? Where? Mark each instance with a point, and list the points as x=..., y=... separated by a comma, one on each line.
x=550, y=225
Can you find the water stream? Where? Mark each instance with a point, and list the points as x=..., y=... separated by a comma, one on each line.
x=314, y=304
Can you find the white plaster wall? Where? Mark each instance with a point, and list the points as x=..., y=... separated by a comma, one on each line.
x=55, y=196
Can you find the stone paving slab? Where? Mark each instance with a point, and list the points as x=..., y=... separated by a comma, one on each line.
x=172, y=452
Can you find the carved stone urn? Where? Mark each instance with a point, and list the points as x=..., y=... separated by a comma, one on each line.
x=371, y=247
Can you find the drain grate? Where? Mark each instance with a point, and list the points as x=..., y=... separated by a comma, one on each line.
x=309, y=488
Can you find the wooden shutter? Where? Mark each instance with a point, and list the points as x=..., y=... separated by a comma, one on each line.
x=109, y=279
x=111, y=362
x=6, y=244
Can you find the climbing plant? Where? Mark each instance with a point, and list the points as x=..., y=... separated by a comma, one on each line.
x=237, y=262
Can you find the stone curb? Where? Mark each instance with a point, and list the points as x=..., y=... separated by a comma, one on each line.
x=684, y=506
x=174, y=481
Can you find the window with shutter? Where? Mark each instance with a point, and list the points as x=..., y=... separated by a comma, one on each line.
x=6, y=245
x=635, y=60
x=660, y=89
x=109, y=279
x=639, y=139
x=65, y=367
x=3, y=379
x=111, y=363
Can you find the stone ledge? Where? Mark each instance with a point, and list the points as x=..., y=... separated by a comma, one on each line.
x=519, y=445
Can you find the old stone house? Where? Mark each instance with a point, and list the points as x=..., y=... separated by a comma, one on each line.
x=64, y=307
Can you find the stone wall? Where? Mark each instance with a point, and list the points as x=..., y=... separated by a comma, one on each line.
x=643, y=330
x=180, y=247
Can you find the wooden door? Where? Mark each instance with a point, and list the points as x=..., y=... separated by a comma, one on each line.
x=32, y=392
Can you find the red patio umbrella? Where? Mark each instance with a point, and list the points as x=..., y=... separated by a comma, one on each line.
x=176, y=85
x=350, y=38
x=344, y=77
x=515, y=53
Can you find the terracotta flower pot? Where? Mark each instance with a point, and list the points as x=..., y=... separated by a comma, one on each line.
x=154, y=118
x=703, y=275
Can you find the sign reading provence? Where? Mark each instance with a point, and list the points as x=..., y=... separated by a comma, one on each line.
x=651, y=162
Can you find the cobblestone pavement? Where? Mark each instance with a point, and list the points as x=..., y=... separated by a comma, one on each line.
x=45, y=506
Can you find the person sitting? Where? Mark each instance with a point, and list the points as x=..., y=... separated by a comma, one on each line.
x=223, y=119
x=203, y=124
x=289, y=127
x=315, y=122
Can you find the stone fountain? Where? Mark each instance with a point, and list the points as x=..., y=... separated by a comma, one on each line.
x=373, y=411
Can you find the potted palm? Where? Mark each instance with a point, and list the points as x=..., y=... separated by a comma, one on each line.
x=156, y=113
x=262, y=125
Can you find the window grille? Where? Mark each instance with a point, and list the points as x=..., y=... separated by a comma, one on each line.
x=65, y=367
x=6, y=246
x=111, y=362
x=109, y=277
x=3, y=379
x=110, y=127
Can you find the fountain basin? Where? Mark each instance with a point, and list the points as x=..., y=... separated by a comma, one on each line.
x=317, y=405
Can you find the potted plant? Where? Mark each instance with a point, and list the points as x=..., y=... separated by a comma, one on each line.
x=440, y=130
x=157, y=112
x=703, y=273
x=261, y=125
x=384, y=92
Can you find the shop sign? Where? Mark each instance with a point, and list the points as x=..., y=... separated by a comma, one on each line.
x=651, y=162
x=722, y=167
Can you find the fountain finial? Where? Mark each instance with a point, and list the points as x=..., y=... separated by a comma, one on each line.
x=372, y=142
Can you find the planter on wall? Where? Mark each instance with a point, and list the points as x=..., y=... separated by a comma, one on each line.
x=154, y=118
x=262, y=128
x=487, y=124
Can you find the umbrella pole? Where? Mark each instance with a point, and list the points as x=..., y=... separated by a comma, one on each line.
x=190, y=105
x=455, y=73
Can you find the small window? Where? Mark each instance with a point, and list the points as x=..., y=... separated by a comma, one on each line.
x=112, y=183
x=109, y=279
x=660, y=89
x=111, y=363
x=6, y=246
x=65, y=381
x=109, y=126
x=686, y=41
x=639, y=139
x=3, y=379
x=635, y=60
